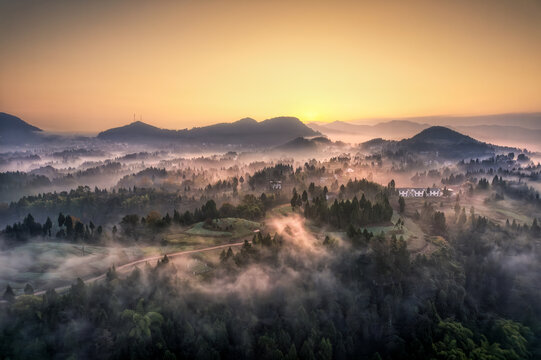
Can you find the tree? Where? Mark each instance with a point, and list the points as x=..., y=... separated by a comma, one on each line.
x=68, y=223
x=304, y=196
x=139, y=324
x=294, y=199
x=129, y=224
x=47, y=227
x=438, y=223
x=61, y=219
x=307, y=350
x=9, y=295
x=28, y=289
x=325, y=350
x=401, y=204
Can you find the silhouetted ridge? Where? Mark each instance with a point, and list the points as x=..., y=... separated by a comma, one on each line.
x=11, y=123
x=446, y=143
x=245, y=131
x=441, y=133
x=14, y=130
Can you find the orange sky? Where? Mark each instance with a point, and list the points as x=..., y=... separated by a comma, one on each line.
x=89, y=65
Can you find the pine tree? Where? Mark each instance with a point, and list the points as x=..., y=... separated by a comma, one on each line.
x=9, y=295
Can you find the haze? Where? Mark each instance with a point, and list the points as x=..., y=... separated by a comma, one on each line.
x=87, y=66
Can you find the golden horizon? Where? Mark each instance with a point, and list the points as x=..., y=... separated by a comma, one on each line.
x=90, y=66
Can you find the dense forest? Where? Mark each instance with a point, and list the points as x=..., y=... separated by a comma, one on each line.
x=291, y=296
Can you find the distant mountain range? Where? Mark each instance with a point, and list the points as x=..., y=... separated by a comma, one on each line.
x=281, y=133
x=396, y=129
x=527, y=134
x=247, y=132
x=436, y=141
x=524, y=120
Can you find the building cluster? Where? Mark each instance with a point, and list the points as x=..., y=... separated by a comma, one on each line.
x=420, y=192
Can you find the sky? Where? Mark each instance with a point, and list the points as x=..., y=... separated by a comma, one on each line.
x=91, y=65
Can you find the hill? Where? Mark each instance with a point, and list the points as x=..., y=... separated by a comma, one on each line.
x=246, y=131
x=302, y=146
x=14, y=130
x=137, y=131
x=446, y=143
x=299, y=144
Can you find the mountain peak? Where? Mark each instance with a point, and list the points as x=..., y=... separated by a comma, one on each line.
x=442, y=133
x=246, y=120
x=140, y=124
x=446, y=142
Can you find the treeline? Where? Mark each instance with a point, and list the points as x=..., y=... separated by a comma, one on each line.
x=345, y=213
x=98, y=205
x=69, y=227
x=134, y=226
x=251, y=207
x=371, y=189
x=13, y=185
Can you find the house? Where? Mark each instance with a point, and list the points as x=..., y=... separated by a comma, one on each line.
x=419, y=192
x=275, y=185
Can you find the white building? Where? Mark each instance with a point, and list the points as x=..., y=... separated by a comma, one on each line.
x=419, y=192
x=275, y=185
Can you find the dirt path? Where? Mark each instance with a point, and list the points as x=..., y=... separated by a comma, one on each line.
x=144, y=260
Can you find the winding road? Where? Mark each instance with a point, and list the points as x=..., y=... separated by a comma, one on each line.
x=144, y=260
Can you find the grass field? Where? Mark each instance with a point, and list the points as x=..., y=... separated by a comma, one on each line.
x=281, y=210
x=227, y=227
x=411, y=232
x=497, y=211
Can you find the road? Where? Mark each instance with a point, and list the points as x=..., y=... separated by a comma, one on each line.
x=144, y=260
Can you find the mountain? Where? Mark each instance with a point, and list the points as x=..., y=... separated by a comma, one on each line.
x=11, y=123
x=396, y=129
x=509, y=135
x=400, y=127
x=246, y=132
x=524, y=120
x=446, y=143
x=14, y=130
x=515, y=130
x=137, y=131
